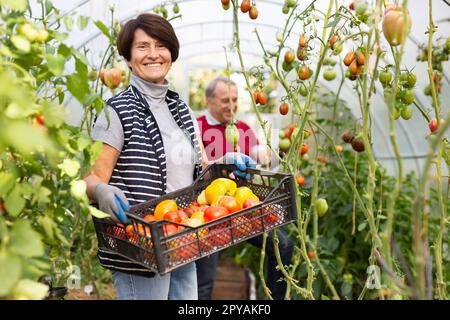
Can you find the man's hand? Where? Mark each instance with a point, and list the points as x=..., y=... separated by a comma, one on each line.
x=242, y=161
x=111, y=200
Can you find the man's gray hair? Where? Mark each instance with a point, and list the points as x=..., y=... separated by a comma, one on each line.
x=211, y=88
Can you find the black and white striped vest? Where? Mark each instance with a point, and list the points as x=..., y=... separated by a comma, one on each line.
x=140, y=171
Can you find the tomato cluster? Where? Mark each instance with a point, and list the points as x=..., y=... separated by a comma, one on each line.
x=356, y=142
x=405, y=96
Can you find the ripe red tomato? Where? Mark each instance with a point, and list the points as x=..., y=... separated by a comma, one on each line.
x=40, y=119
x=349, y=57
x=172, y=216
x=300, y=180
x=149, y=218
x=333, y=39
x=284, y=108
x=304, y=149
x=262, y=98
x=303, y=72
x=230, y=203
x=302, y=41
x=270, y=218
x=311, y=255
x=214, y=213
x=361, y=58
x=354, y=68
x=433, y=125
x=245, y=6
x=250, y=203
x=170, y=229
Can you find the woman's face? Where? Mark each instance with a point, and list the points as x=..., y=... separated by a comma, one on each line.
x=150, y=59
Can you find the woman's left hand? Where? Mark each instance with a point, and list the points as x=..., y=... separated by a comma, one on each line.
x=242, y=161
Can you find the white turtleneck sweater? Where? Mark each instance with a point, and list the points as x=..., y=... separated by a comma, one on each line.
x=177, y=145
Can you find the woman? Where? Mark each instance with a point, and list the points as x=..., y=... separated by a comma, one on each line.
x=150, y=148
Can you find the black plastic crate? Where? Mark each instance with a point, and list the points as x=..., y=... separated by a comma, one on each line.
x=161, y=253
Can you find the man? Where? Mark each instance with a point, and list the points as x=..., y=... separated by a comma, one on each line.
x=221, y=99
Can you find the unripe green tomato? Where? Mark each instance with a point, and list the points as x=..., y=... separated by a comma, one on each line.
x=232, y=134
x=407, y=112
x=338, y=47
x=285, y=9
x=303, y=91
x=176, y=9
x=408, y=97
x=285, y=144
x=329, y=74
x=321, y=206
x=385, y=78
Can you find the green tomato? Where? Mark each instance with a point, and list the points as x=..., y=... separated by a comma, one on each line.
x=279, y=36
x=303, y=90
x=385, y=78
x=287, y=66
x=396, y=114
x=361, y=8
x=232, y=134
x=338, y=47
x=408, y=97
x=407, y=112
x=408, y=79
x=285, y=144
x=427, y=90
x=329, y=74
x=321, y=206
x=176, y=9
x=290, y=3
x=78, y=189
x=285, y=9
x=281, y=134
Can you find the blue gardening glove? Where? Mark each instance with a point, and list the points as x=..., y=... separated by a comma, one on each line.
x=242, y=161
x=111, y=200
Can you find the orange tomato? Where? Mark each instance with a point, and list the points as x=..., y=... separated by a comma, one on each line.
x=230, y=203
x=163, y=207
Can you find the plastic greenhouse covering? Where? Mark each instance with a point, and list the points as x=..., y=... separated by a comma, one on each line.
x=205, y=29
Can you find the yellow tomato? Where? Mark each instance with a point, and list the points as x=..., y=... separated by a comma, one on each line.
x=214, y=190
x=198, y=215
x=244, y=193
x=163, y=207
x=201, y=199
x=229, y=184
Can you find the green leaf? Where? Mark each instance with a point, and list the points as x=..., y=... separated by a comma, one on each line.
x=55, y=115
x=69, y=167
x=82, y=22
x=68, y=22
x=14, y=202
x=18, y=111
x=48, y=7
x=56, y=64
x=83, y=142
x=64, y=50
x=30, y=290
x=36, y=138
x=25, y=241
x=48, y=225
x=18, y=5
x=95, y=151
x=78, y=190
x=97, y=213
x=7, y=181
x=77, y=86
x=103, y=29
x=362, y=226
x=21, y=43
x=10, y=271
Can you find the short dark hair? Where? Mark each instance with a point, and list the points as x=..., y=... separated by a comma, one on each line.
x=155, y=26
x=211, y=88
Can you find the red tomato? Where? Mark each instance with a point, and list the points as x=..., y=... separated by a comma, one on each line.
x=250, y=203
x=230, y=203
x=214, y=213
x=172, y=216
x=149, y=218
x=183, y=215
x=170, y=229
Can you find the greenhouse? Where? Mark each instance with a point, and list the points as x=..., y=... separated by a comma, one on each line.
x=248, y=149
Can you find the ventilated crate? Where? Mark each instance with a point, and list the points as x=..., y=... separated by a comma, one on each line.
x=151, y=247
